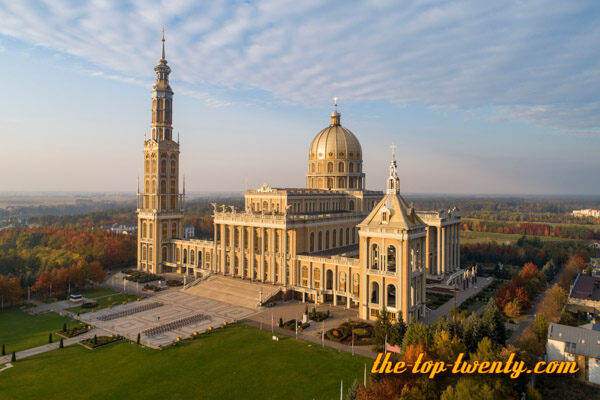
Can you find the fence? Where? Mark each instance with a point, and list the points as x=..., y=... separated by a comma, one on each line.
x=175, y=324
x=134, y=310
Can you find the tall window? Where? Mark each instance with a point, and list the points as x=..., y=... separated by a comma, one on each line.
x=174, y=230
x=391, y=258
x=341, y=167
x=374, y=256
x=164, y=230
x=173, y=168
x=329, y=167
x=391, y=296
x=375, y=293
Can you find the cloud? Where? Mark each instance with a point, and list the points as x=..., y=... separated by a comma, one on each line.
x=532, y=62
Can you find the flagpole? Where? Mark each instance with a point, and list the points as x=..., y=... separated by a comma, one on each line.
x=365, y=378
x=323, y=335
x=352, y=341
x=296, y=327
x=342, y=390
x=272, y=327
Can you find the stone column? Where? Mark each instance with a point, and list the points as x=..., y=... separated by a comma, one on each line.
x=252, y=265
x=458, y=247
x=273, y=265
x=427, y=250
x=444, y=252
x=334, y=285
x=363, y=292
x=284, y=264
x=439, y=250
x=405, y=283
x=233, y=230
x=243, y=251
x=261, y=268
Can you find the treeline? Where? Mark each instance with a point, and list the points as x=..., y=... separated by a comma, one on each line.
x=534, y=229
x=523, y=251
x=27, y=252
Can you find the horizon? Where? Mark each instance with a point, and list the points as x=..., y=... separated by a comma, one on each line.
x=474, y=110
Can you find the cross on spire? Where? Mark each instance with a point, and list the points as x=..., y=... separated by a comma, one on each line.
x=335, y=99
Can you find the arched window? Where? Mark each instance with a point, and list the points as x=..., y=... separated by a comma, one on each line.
x=265, y=206
x=173, y=168
x=374, y=256
x=164, y=230
x=150, y=230
x=326, y=240
x=144, y=231
x=329, y=167
x=320, y=242
x=154, y=165
x=184, y=256
x=163, y=186
x=375, y=293
x=147, y=166
x=149, y=253
x=348, y=235
x=199, y=258
x=312, y=241
x=319, y=168
x=144, y=251
x=334, y=238
x=351, y=167
x=304, y=276
x=164, y=253
x=317, y=278
x=312, y=167
x=391, y=296
x=342, y=282
x=163, y=167
x=354, y=237
x=329, y=280
x=351, y=205
x=341, y=167
x=391, y=258
x=329, y=183
x=355, y=284
x=174, y=229
x=342, y=237
x=191, y=256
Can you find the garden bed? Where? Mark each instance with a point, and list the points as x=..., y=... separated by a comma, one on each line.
x=97, y=341
x=75, y=331
x=291, y=325
x=364, y=333
x=318, y=316
x=141, y=276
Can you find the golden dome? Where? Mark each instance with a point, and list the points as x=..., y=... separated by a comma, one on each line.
x=335, y=158
x=335, y=142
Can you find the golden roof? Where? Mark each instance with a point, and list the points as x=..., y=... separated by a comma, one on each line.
x=335, y=142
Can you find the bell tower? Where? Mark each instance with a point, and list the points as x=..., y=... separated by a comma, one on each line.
x=160, y=205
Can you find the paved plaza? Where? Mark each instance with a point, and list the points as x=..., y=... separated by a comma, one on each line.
x=176, y=305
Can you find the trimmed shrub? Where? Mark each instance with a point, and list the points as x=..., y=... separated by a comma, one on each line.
x=49, y=338
x=3, y=349
x=138, y=339
x=61, y=345
x=14, y=357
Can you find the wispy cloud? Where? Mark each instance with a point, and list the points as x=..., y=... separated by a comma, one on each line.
x=533, y=62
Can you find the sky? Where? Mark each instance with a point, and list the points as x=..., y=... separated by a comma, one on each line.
x=479, y=97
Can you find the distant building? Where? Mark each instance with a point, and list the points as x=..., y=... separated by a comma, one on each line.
x=587, y=213
x=189, y=231
x=122, y=228
x=585, y=293
x=572, y=343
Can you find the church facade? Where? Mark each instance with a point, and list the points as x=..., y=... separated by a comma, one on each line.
x=332, y=241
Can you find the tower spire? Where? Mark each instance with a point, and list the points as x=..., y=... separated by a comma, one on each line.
x=335, y=116
x=163, y=44
x=393, y=181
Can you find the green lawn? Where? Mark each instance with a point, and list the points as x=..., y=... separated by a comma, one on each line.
x=105, y=302
x=20, y=331
x=435, y=300
x=238, y=362
x=97, y=292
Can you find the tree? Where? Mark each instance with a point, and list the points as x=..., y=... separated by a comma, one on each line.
x=10, y=290
x=3, y=349
x=540, y=327
x=50, y=338
x=351, y=393
x=138, y=338
x=447, y=347
x=473, y=331
x=513, y=309
x=64, y=327
x=486, y=351
x=397, y=331
x=60, y=344
x=95, y=339
x=14, y=357
x=417, y=333
x=382, y=329
x=494, y=321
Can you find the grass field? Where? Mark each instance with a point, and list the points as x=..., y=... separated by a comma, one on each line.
x=97, y=292
x=105, y=302
x=501, y=238
x=238, y=362
x=20, y=331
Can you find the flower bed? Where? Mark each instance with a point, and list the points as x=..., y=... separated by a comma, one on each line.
x=98, y=341
x=141, y=276
x=364, y=333
x=174, y=282
x=291, y=325
x=151, y=288
x=318, y=316
x=75, y=331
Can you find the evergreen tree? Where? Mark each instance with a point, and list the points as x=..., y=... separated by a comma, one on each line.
x=493, y=321
x=473, y=331
x=397, y=331
x=14, y=357
x=95, y=339
x=540, y=327
x=60, y=344
x=382, y=329
x=3, y=349
x=352, y=390
x=138, y=339
x=280, y=322
x=49, y=338
x=417, y=333
x=64, y=327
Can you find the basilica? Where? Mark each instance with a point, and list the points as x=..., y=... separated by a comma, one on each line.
x=333, y=241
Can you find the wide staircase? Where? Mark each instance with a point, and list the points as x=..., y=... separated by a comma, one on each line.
x=233, y=290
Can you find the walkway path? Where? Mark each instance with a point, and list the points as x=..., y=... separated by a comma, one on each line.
x=53, y=346
x=445, y=308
